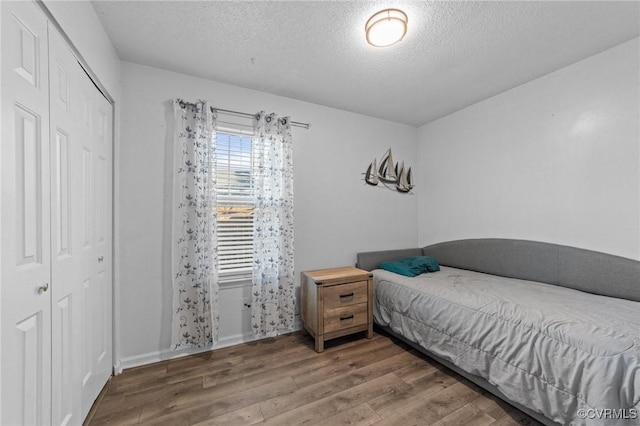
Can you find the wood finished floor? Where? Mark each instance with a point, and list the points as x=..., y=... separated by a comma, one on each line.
x=283, y=381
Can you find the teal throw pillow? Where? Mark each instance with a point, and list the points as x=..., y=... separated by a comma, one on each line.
x=411, y=266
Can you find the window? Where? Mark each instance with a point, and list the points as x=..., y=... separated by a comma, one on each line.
x=235, y=205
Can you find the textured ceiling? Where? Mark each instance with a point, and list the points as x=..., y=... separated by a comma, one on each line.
x=454, y=54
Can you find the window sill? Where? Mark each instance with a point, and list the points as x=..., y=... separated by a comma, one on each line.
x=233, y=282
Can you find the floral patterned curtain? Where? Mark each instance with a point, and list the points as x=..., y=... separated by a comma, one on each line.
x=193, y=249
x=273, y=307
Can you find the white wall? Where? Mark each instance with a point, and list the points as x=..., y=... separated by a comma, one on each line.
x=336, y=214
x=555, y=160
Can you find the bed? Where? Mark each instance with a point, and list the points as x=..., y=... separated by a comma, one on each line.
x=553, y=330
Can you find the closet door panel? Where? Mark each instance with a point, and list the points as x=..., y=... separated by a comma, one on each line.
x=25, y=270
x=89, y=297
x=66, y=230
x=98, y=242
x=104, y=236
x=29, y=206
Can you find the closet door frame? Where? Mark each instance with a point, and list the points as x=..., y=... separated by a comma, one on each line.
x=115, y=264
x=112, y=261
x=113, y=327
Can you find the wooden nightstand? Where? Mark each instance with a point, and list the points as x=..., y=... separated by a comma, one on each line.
x=336, y=302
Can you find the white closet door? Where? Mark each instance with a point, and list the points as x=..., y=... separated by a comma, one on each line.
x=25, y=288
x=97, y=242
x=67, y=230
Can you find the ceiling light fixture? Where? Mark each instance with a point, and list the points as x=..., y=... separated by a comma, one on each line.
x=386, y=27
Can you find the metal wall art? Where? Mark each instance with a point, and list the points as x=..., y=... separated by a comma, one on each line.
x=392, y=175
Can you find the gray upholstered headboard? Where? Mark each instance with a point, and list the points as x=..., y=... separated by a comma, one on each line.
x=371, y=259
x=571, y=267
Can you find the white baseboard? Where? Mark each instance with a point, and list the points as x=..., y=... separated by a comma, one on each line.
x=117, y=368
x=237, y=339
x=156, y=356
x=167, y=354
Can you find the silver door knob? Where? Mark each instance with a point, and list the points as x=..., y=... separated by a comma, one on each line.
x=43, y=288
x=101, y=259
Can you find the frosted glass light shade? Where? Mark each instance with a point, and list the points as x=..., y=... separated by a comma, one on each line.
x=386, y=27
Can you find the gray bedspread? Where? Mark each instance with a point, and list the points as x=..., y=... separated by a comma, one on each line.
x=561, y=352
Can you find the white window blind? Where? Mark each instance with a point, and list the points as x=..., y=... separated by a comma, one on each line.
x=235, y=206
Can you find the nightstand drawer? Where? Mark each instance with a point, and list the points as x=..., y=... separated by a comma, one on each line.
x=345, y=295
x=345, y=317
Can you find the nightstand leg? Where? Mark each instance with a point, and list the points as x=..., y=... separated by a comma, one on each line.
x=319, y=344
x=370, y=332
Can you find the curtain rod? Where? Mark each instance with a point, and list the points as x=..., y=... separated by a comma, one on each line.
x=246, y=114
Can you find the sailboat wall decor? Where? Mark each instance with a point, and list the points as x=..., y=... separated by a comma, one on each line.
x=392, y=175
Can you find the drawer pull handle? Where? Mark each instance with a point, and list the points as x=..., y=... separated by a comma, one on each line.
x=346, y=318
x=346, y=295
